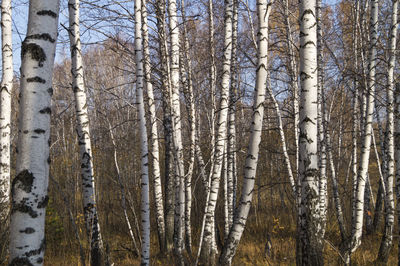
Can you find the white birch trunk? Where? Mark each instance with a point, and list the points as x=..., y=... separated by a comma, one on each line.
x=176, y=125
x=242, y=211
x=231, y=145
x=122, y=188
x=292, y=69
x=387, y=237
x=83, y=132
x=397, y=159
x=145, y=198
x=357, y=221
x=212, y=80
x=206, y=251
x=323, y=180
x=5, y=109
x=310, y=237
x=192, y=125
x=29, y=187
x=335, y=188
x=283, y=140
x=155, y=157
x=356, y=106
x=167, y=123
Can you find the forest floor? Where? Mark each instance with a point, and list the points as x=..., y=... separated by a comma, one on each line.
x=251, y=251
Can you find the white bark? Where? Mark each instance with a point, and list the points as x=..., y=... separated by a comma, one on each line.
x=29, y=187
x=283, y=140
x=5, y=108
x=242, y=211
x=145, y=198
x=357, y=222
x=221, y=135
x=188, y=87
x=292, y=69
x=83, y=132
x=154, y=149
x=231, y=142
x=212, y=80
x=167, y=123
x=122, y=188
x=323, y=180
x=335, y=189
x=355, y=103
x=310, y=237
x=176, y=125
x=387, y=238
x=397, y=156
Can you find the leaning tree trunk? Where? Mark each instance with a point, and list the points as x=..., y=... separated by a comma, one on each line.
x=158, y=196
x=358, y=212
x=83, y=131
x=242, y=211
x=145, y=199
x=387, y=237
x=206, y=255
x=283, y=140
x=29, y=187
x=310, y=237
x=5, y=111
x=292, y=71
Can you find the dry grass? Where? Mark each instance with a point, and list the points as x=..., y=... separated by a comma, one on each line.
x=281, y=228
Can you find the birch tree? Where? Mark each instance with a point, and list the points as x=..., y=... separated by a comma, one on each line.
x=167, y=122
x=176, y=126
x=323, y=182
x=358, y=211
x=387, y=237
x=242, y=211
x=310, y=238
x=212, y=84
x=83, y=132
x=145, y=199
x=188, y=89
x=158, y=196
x=293, y=75
x=231, y=142
x=29, y=187
x=5, y=108
x=397, y=159
x=206, y=255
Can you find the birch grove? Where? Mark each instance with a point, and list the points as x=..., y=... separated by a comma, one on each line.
x=235, y=132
